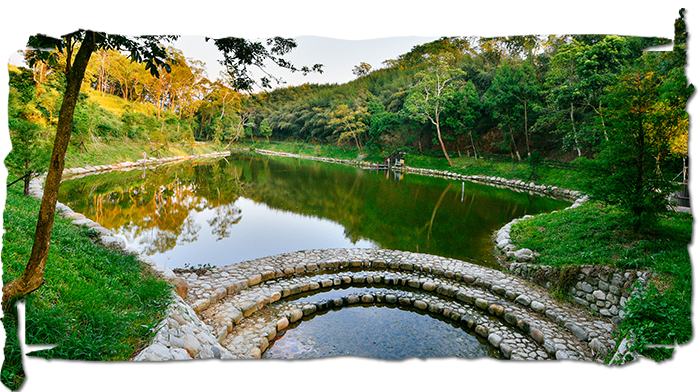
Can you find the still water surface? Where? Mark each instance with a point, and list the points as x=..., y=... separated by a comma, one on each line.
x=377, y=332
x=219, y=212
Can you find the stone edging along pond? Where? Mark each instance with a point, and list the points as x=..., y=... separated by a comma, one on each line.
x=182, y=335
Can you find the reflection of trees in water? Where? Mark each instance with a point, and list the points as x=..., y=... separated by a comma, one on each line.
x=226, y=216
x=418, y=214
x=190, y=230
x=160, y=211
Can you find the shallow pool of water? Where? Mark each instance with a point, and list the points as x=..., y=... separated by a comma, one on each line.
x=380, y=332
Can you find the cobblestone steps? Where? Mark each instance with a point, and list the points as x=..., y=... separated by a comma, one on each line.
x=501, y=308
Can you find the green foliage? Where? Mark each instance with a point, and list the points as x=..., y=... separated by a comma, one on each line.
x=433, y=89
x=654, y=317
x=513, y=96
x=635, y=162
x=91, y=120
x=265, y=129
x=30, y=148
x=463, y=112
x=349, y=123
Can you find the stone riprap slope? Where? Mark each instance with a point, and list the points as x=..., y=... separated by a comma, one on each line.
x=244, y=303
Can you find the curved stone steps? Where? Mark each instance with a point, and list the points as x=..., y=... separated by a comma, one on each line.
x=225, y=297
x=474, y=308
x=513, y=344
x=253, y=335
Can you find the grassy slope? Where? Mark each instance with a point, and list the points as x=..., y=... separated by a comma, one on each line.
x=596, y=234
x=105, y=153
x=96, y=304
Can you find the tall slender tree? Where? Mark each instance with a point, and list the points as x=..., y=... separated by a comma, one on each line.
x=430, y=94
x=639, y=138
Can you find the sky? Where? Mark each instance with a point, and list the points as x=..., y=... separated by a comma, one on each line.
x=355, y=20
x=338, y=56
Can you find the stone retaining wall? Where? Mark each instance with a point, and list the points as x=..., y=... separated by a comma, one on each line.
x=516, y=185
x=500, y=182
x=604, y=290
x=128, y=165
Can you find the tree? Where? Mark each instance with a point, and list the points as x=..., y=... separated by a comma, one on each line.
x=513, y=94
x=597, y=67
x=77, y=47
x=361, y=70
x=349, y=123
x=630, y=162
x=430, y=94
x=266, y=129
x=464, y=110
x=565, y=97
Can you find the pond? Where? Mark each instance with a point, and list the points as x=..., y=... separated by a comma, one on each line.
x=246, y=206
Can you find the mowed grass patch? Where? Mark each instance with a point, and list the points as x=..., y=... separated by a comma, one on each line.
x=96, y=304
x=598, y=234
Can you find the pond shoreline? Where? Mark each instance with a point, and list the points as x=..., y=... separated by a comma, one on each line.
x=183, y=315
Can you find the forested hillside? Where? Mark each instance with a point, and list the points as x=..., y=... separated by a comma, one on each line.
x=510, y=96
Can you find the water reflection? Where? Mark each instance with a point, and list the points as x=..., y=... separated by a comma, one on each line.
x=248, y=206
x=377, y=332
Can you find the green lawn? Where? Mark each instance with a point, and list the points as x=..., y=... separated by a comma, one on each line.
x=97, y=304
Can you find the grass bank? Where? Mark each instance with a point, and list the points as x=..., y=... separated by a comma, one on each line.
x=598, y=234
x=96, y=304
x=106, y=151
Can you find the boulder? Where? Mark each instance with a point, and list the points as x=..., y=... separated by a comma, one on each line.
x=524, y=255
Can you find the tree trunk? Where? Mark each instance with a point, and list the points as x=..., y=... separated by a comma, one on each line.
x=444, y=151
x=33, y=276
x=527, y=135
x=27, y=175
x=573, y=125
x=602, y=121
x=515, y=148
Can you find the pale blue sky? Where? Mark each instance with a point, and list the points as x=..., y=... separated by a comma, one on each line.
x=338, y=56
